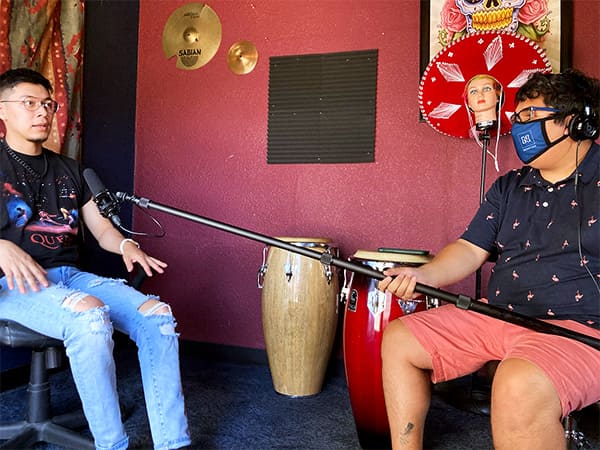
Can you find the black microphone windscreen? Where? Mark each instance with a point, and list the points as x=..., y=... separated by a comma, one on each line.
x=106, y=201
x=96, y=186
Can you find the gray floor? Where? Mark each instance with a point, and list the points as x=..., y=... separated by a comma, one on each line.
x=234, y=406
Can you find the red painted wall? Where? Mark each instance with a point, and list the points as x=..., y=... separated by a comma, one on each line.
x=201, y=147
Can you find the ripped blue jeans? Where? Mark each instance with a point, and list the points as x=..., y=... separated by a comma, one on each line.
x=87, y=336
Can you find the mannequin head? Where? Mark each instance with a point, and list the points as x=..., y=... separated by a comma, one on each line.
x=483, y=96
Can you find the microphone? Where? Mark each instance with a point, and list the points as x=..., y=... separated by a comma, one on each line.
x=485, y=125
x=104, y=199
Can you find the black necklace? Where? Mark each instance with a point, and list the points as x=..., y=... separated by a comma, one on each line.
x=34, y=175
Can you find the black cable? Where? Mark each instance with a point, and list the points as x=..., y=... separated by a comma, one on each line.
x=580, y=219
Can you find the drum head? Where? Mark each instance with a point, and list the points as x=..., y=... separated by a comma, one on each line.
x=399, y=258
x=306, y=241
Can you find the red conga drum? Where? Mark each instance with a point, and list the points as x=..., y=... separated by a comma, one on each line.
x=367, y=313
x=299, y=315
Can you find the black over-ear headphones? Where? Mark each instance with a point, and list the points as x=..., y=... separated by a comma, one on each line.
x=584, y=125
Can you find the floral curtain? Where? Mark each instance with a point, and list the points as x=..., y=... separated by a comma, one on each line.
x=47, y=36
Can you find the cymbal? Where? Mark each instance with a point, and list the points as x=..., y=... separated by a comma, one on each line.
x=242, y=57
x=192, y=34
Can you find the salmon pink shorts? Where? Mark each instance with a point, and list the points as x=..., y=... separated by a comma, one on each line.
x=460, y=342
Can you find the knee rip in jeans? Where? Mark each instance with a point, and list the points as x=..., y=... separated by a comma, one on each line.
x=77, y=302
x=156, y=308
x=97, y=317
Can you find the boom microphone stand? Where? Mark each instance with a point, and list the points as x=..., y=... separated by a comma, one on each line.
x=484, y=137
x=479, y=398
x=461, y=301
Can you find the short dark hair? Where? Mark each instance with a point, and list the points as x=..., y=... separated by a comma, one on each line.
x=13, y=77
x=569, y=91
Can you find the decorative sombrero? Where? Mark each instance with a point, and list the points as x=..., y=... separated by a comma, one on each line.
x=508, y=57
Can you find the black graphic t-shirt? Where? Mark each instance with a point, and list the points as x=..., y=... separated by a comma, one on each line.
x=40, y=203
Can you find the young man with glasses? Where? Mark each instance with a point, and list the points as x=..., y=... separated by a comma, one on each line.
x=541, y=225
x=43, y=204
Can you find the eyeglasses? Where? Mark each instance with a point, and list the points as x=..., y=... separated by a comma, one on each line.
x=33, y=105
x=527, y=114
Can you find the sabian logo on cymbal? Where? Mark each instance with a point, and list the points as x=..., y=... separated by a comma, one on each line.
x=190, y=52
x=189, y=57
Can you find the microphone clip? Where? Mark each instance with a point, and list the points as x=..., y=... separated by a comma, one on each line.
x=109, y=206
x=485, y=125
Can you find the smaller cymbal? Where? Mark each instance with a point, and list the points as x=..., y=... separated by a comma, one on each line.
x=242, y=57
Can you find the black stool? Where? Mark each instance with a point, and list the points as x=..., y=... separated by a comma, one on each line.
x=39, y=425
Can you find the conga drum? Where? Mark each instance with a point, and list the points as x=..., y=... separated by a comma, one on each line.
x=299, y=315
x=367, y=312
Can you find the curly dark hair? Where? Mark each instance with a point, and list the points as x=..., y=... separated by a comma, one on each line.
x=569, y=91
x=13, y=77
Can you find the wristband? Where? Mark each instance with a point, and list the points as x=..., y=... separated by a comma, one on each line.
x=124, y=241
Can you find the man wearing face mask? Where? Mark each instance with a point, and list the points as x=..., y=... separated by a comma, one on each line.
x=541, y=224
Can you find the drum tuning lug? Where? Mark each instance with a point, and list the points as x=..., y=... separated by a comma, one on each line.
x=432, y=302
x=328, y=273
x=263, y=268
x=376, y=302
x=344, y=295
x=261, y=276
x=407, y=306
x=288, y=272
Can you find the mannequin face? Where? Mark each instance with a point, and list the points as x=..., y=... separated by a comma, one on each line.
x=481, y=95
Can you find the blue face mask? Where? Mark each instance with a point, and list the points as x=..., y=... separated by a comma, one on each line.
x=531, y=140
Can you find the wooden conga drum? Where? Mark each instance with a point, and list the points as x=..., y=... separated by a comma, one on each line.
x=367, y=312
x=299, y=315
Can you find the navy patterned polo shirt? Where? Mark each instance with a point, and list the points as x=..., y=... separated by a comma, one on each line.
x=547, y=241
